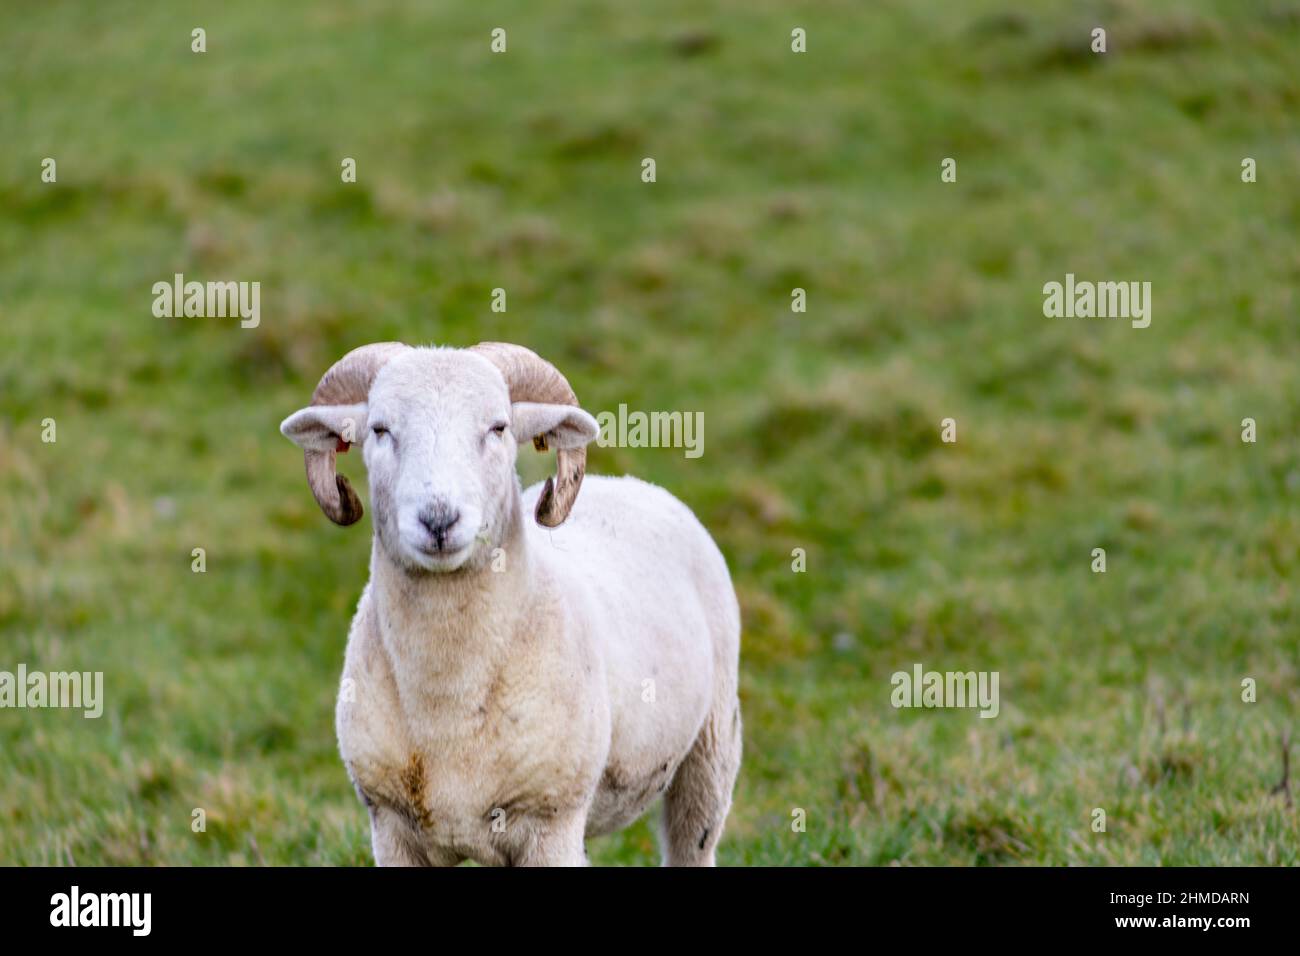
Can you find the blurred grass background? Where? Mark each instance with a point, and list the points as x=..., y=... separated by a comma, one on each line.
x=775, y=170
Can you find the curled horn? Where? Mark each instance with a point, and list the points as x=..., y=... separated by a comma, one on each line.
x=346, y=383
x=530, y=378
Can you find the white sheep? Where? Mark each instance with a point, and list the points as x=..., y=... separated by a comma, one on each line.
x=511, y=688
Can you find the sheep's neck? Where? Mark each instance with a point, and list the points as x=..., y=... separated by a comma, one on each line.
x=446, y=634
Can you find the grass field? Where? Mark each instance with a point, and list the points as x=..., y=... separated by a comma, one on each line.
x=775, y=170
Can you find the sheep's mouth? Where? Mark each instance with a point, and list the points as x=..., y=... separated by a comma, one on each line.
x=433, y=551
x=447, y=558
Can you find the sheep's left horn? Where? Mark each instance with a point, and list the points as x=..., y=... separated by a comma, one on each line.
x=531, y=378
x=346, y=383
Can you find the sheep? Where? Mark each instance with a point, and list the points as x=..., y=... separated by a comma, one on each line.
x=512, y=687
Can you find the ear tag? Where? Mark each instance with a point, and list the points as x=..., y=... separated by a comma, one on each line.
x=342, y=447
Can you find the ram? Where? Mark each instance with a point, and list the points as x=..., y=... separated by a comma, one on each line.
x=513, y=686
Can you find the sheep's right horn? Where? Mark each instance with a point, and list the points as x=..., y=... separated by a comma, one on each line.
x=346, y=383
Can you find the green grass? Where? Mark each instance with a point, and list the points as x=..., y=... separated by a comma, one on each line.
x=1119, y=691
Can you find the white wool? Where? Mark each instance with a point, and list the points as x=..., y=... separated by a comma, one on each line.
x=510, y=689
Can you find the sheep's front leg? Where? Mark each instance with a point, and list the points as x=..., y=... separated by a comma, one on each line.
x=392, y=844
x=559, y=843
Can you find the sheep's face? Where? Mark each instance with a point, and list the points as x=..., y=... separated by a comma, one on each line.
x=439, y=436
x=441, y=458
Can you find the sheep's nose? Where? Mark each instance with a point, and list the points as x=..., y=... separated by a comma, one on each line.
x=438, y=519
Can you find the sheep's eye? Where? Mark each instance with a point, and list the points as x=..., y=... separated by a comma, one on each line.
x=499, y=428
x=379, y=429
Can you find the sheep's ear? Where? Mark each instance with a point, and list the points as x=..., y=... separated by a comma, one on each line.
x=326, y=427
x=554, y=426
